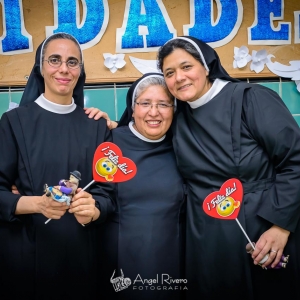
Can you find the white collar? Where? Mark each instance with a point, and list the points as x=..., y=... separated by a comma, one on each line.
x=54, y=107
x=216, y=87
x=140, y=136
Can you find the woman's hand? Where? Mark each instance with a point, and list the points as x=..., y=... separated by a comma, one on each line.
x=50, y=208
x=83, y=207
x=96, y=113
x=14, y=190
x=273, y=242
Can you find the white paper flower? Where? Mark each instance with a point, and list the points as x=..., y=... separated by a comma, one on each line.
x=145, y=65
x=241, y=57
x=259, y=59
x=114, y=61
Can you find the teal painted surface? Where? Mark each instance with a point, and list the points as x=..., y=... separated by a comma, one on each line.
x=113, y=101
x=297, y=118
x=121, y=102
x=16, y=97
x=291, y=97
x=103, y=99
x=4, y=102
x=271, y=85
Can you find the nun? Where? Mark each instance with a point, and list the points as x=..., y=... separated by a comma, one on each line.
x=229, y=129
x=41, y=141
x=145, y=236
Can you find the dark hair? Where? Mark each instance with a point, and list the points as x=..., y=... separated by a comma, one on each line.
x=58, y=36
x=170, y=46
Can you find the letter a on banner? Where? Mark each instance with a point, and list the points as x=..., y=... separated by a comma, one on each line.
x=214, y=32
x=92, y=26
x=146, y=27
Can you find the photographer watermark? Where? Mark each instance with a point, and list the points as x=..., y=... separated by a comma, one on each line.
x=163, y=282
x=120, y=283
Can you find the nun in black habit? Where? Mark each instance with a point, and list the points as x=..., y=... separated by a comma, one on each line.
x=147, y=229
x=229, y=129
x=42, y=141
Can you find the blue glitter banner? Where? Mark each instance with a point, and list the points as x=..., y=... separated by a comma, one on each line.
x=92, y=27
x=263, y=31
x=15, y=39
x=146, y=26
x=218, y=32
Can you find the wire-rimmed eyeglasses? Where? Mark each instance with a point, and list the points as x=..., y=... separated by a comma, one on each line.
x=56, y=62
x=159, y=106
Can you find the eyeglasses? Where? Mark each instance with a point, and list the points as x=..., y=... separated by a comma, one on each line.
x=57, y=62
x=159, y=106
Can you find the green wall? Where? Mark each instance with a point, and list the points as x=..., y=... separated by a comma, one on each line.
x=112, y=98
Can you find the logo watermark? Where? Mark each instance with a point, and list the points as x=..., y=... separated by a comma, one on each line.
x=162, y=282
x=120, y=283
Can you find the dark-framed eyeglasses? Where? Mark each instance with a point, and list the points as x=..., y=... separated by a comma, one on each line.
x=56, y=62
x=159, y=106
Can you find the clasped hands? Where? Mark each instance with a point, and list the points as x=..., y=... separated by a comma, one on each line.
x=82, y=206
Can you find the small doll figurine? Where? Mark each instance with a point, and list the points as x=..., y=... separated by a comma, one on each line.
x=66, y=188
x=282, y=263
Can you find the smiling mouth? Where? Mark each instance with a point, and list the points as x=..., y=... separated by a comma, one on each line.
x=153, y=122
x=62, y=80
x=184, y=86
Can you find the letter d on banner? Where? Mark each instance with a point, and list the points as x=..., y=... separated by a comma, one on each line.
x=92, y=26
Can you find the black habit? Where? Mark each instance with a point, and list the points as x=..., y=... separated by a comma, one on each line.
x=148, y=227
x=145, y=237
x=244, y=132
x=55, y=260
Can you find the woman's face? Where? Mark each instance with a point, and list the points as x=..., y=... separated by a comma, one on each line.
x=60, y=82
x=153, y=122
x=185, y=76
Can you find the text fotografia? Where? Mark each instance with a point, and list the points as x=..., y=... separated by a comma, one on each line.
x=160, y=282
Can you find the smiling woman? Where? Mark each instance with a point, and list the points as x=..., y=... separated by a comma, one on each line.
x=62, y=71
x=226, y=129
x=36, y=84
x=148, y=224
x=153, y=112
x=185, y=76
x=41, y=141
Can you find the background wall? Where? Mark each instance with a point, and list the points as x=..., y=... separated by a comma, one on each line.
x=107, y=90
x=112, y=98
x=40, y=14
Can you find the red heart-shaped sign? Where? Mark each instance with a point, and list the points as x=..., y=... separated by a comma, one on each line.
x=109, y=165
x=225, y=203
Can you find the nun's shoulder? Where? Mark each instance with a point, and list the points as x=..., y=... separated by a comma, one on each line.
x=257, y=96
x=251, y=91
x=260, y=92
x=119, y=131
x=20, y=110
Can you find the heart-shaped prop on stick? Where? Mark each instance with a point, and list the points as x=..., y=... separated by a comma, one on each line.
x=225, y=203
x=110, y=165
